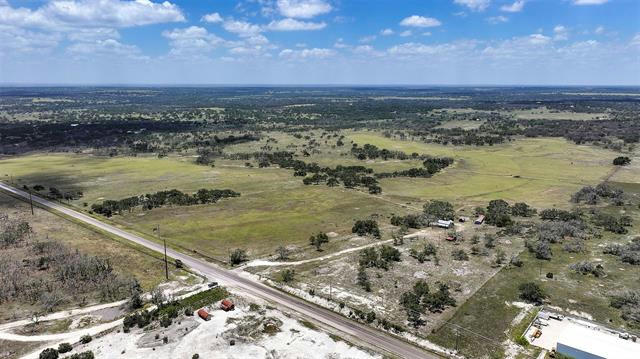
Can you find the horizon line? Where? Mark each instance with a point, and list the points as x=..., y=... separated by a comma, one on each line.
x=16, y=85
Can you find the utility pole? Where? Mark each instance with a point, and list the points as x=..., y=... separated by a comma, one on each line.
x=166, y=264
x=31, y=201
x=457, y=337
x=164, y=241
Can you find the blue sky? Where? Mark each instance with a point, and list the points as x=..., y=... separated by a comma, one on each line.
x=525, y=42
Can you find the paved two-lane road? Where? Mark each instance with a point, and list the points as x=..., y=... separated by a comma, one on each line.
x=374, y=338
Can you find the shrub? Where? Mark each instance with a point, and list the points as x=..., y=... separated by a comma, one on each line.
x=86, y=339
x=516, y=261
x=49, y=353
x=588, y=268
x=366, y=227
x=238, y=256
x=83, y=355
x=460, y=255
x=287, y=275
x=621, y=161
x=531, y=293
x=64, y=348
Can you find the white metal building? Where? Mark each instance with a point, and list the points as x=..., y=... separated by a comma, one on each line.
x=581, y=342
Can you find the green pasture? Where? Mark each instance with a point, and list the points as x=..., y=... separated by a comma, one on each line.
x=542, y=172
x=275, y=208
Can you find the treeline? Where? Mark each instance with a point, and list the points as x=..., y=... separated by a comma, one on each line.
x=312, y=173
x=372, y=152
x=432, y=166
x=172, y=197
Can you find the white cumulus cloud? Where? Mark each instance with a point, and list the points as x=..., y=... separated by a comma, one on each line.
x=420, y=21
x=212, y=18
x=515, y=7
x=303, y=9
x=386, y=32
x=315, y=53
x=294, y=25
x=474, y=5
x=193, y=39
x=241, y=28
x=63, y=15
x=561, y=33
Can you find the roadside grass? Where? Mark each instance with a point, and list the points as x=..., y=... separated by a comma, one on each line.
x=307, y=324
x=517, y=331
x=543, y=172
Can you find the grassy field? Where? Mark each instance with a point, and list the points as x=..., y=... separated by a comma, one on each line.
x=542, y=172
x=275, y=208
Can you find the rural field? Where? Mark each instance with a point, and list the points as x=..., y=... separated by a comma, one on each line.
x=542, y=172
x=276, y=209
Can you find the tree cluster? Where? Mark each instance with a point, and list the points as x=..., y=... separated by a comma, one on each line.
x=172, y=197
x=365, y=227
x=381, y=258
x=585, y=267
x=420, y=299
x=628, y=253
x=621, y=161
x=318, y=240
x=593, y=195
x=629, y=302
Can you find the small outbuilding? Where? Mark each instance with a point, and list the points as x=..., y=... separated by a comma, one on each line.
x=480, y=219
x=227, y=305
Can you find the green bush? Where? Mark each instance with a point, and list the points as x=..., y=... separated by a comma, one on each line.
x=83, y=355
x=86, y=339
x=49, y=353
x=64, y=348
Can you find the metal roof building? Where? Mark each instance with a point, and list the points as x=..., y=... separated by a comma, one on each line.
x=581, y=342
